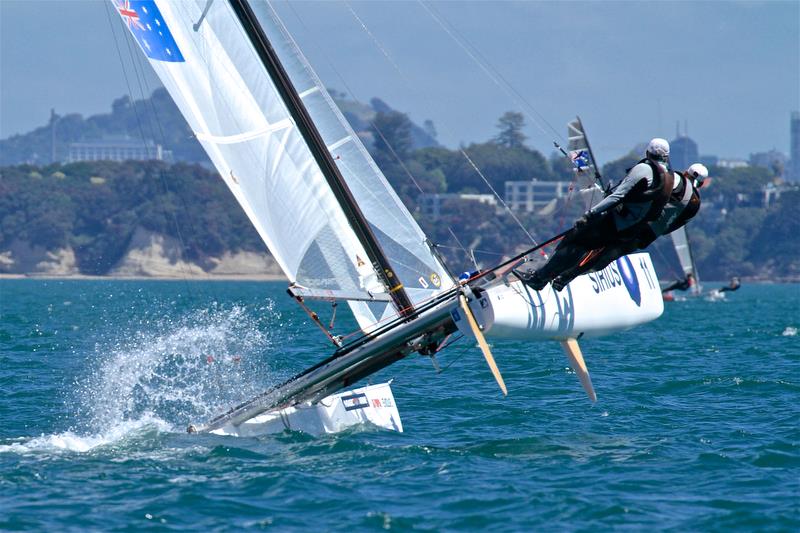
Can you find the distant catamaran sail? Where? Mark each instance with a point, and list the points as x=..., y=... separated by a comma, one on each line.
x=680, y=239
x=589, y=182
x=336, y=227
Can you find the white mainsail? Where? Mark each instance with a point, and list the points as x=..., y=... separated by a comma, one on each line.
x=680, y=239
x=210, y=68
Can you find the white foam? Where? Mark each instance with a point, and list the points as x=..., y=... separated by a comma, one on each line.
x=72, y=442
x=789, y=331
x=181, y=369
x=715, y=296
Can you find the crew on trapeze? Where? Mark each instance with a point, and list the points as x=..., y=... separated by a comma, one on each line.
x=638, y=199
x=683, y=205
x=681, y=285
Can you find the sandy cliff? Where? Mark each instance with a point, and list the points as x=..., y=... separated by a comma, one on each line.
x=149, y=255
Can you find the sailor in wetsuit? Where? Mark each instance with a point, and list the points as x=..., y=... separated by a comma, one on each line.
x=683, y=205
x=639, y=198
x=681, y=284
x=734, y=285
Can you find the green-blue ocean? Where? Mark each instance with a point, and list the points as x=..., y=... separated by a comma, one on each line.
x=696, y=428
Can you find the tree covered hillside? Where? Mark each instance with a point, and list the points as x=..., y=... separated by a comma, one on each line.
x=95, y=208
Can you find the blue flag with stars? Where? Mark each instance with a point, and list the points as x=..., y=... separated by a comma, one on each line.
x=148, y=27
x=581, y=159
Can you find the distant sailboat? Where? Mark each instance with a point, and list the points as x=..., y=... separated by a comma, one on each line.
x=338, y=230
x=683, y=249
x=582, y=157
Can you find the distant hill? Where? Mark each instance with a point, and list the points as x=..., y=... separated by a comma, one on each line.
x=158, y=119
x=104, y=217
x=361, y=117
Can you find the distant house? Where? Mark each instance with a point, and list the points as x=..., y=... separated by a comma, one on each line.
x=534, y=195
x=732, y=163
x=117, y=149
x=772, y=193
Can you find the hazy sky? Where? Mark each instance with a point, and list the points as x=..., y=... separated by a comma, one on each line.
x=631, y=70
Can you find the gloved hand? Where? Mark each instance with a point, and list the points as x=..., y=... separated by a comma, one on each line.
x=584, y=220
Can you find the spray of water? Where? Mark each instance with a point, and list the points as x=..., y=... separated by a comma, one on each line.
x=157, y=375
x=180, y=370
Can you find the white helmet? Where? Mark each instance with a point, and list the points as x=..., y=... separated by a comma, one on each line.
x=697, y=172
x=658, y=149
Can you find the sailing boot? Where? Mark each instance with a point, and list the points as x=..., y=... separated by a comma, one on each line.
x=559, y=282
x=532, y=280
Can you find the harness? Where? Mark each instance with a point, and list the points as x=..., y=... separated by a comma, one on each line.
x=690, y=200
x=657, y=194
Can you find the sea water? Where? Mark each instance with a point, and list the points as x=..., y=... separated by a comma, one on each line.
x=696, y=425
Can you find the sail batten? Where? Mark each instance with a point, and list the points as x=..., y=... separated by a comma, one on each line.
x=308, y=91
x=244, y=136
x=339, y=143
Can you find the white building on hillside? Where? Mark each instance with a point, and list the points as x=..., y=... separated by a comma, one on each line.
x=122, y=149
x=529, y=196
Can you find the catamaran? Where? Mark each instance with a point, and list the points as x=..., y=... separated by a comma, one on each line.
x=337, y=229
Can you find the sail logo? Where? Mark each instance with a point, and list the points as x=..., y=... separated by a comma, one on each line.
x=608, y=278
x=148, y=27
x=629, y=279
x=618, y=273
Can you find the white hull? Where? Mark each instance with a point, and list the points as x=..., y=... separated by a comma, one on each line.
x=621, y=296
x=373, y=404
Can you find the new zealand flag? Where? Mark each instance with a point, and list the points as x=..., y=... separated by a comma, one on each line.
x=147, y=25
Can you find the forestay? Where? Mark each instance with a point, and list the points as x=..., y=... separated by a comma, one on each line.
x=206, y=62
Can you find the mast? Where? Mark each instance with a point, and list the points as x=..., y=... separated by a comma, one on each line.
x=322, y=156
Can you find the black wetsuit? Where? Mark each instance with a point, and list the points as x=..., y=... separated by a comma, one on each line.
x=731, y=287
x=638, y=199
x=683, y=205
x=680, y=285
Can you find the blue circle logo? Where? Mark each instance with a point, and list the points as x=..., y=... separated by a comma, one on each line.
x=629, y=278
